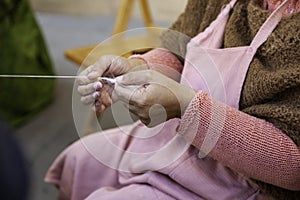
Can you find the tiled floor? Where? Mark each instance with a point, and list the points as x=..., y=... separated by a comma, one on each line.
x=53, y=129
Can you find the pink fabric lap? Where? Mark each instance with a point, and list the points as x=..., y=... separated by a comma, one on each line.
x=130, y=192
x=79, y=169
x=78, y=172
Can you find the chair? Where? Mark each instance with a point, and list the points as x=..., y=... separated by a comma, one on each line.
x=150, y=39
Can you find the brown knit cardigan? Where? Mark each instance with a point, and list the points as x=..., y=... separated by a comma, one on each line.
x=271, y=90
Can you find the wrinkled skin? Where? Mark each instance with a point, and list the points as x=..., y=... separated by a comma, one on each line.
x=105, y=98
x=97, y=92
x=152, y=96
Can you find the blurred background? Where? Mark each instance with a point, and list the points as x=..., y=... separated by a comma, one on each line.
x=37, y=114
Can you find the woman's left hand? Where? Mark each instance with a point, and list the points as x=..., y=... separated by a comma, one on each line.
x=153, y=97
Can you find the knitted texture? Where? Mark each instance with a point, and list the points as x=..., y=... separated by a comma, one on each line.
x=271, y=89
x=237, y=137
x=271, y=5
x=163, y=61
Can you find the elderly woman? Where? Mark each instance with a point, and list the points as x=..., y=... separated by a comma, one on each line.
x=229, y=127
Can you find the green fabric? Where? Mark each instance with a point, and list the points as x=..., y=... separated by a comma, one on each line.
x=22, y=51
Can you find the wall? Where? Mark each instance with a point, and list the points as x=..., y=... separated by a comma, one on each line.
x=160, y=9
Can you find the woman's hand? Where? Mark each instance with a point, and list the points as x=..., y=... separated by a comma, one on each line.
x=93, y=90
x=153, y=97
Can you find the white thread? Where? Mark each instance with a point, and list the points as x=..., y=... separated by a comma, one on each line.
x=36, y=76
x=111, y=80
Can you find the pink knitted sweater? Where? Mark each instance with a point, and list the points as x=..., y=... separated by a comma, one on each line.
x=271, y=5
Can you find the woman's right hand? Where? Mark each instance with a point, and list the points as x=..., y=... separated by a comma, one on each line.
x=89, y=85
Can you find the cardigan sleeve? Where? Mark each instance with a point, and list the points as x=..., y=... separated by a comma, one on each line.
x=163, y=61
x=246, y=144
x=195, y=18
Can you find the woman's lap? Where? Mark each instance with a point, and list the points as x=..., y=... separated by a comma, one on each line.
x=87, y=168
x=130, y=192
x=77, y=172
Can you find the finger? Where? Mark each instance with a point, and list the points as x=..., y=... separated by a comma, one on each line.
x=90, y=71
x=83, y=76
x=96, y=70
x=145, y=121
x=85, y=90
x=137, y=112
x=101, y=67
x=136, y=77
x=148, y=116
x=105, y=98
x=116, y=66
x=86, y=71
x=98, y=107
x=100, y=110
x=83, y=80
x=89, y=99
x=140, y=113
x=124, y=93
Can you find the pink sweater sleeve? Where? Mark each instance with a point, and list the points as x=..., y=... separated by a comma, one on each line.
x=163, y=61
x=249, y=145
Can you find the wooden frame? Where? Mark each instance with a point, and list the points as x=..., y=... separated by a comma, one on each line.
x=80, y=55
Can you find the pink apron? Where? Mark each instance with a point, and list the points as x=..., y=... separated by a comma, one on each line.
x=158, y=163
x=221, y=72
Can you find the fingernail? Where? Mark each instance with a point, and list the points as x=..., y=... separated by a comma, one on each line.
x=97, y=104
x=82, y=79
x=96, y=95
x=97, y=85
